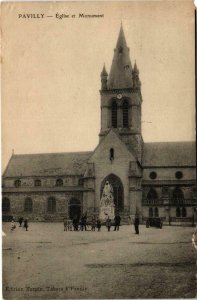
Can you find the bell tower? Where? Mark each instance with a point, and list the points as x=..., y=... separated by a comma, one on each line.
x=121, y=99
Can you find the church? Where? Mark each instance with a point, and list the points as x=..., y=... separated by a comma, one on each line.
x=155, y=179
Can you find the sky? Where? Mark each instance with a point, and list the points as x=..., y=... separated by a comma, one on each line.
x=51, y=71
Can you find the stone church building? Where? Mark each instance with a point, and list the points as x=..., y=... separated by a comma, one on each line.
x=151, y=179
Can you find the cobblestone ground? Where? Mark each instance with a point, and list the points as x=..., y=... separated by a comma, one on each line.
x=47, y=262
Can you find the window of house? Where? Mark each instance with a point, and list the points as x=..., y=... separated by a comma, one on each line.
x=153, y=175
x=28, y=207
x=59, y=182
x=17, y=183
x=51, y=205
x=5, y=205
x=114, y=110
x=37, y=182
x=125, y=111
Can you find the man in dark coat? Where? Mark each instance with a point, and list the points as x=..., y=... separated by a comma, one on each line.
x=136, y=224
x=117, y=220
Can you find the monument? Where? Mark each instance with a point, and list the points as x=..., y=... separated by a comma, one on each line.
x=107, y=207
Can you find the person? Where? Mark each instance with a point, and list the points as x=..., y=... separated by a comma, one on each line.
x=75, y=223
x=136, y=224
x=93, y=224
x=20, y=220
x=26, y=224
x=108, y=223
x=13, y=226
x=83, y=223
x=98, y=224
x=117, y=220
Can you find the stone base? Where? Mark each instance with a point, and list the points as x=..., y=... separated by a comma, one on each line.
x=107, y=211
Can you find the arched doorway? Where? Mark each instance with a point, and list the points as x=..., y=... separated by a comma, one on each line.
x=118, y=191
x=74, y=208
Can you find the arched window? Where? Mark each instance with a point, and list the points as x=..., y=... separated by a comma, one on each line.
x=37, y=182
x=111, y=154
x=150, y=212
x=5, y=205
x=51, y=205
x=177, y=196
x=178, y=212
x=59, y=182
x=17, y=183
x=28, y=205
x=156, y=212
x=118, y=191
x=114, y=110
x=152, y=196
x=125, y=112
x=184, y=212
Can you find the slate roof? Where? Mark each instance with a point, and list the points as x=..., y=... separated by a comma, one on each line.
x=46, y=164
x=169, y=154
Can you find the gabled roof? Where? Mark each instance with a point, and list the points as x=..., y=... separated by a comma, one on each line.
x=169, y=154
x=73, y=163
x=120, y=75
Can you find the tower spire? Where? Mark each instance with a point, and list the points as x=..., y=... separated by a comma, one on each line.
x=104, y=79
x=120, y=75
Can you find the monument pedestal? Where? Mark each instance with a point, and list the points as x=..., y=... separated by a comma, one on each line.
x=107, y=211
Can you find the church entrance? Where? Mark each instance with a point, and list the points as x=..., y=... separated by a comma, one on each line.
x=118, y=192
x=74, y=208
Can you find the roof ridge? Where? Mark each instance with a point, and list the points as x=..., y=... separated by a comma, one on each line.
x=45, y=153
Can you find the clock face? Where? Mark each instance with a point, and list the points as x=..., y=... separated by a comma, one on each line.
x=119, y=96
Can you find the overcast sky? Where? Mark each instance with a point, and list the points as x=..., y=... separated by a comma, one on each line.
x=51, y=72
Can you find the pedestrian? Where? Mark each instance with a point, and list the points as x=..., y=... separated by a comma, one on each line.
x=13, y=226
x=93, y=224
x=136, y=224
x=98, y=224
x=75, y=223
x=20, y=220
x=108, y=223
x=117, y=220
x=26, y=224
x=65, y=224
x=83, y=223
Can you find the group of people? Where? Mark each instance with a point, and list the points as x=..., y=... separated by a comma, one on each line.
x=95, y=223
x=21, y=221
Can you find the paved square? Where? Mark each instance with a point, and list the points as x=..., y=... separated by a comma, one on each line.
x=47, y=262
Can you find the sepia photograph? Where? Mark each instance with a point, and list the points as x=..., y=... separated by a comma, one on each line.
x=98, y=150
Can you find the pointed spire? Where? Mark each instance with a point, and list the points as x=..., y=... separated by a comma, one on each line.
x=136, y=80
x=104, y=79
x=120, y=75
x=104, y=72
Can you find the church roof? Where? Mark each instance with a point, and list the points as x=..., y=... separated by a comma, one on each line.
x=47, y=164
x=120, y=75
x=169, y=154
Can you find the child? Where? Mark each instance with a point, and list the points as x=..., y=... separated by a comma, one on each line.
x=98, y=224
x=108, y=223
x=25, y=224
x=93, y=224
x=13, y=226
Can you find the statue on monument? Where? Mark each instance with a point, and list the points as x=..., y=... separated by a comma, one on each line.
x=107, y=206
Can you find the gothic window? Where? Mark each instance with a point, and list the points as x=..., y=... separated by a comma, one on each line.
x=28, y=205
x=125, y=111
x=51, y=205
x=37, y=182
x=17, y=183
x=59, y=182
x=111, y=154
x=114, y=110
x=178, y=212
x=156, y=212
x=177, y=196
x=184, y=212
x=152, y=196
x=5, y=205
x=150, y=212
